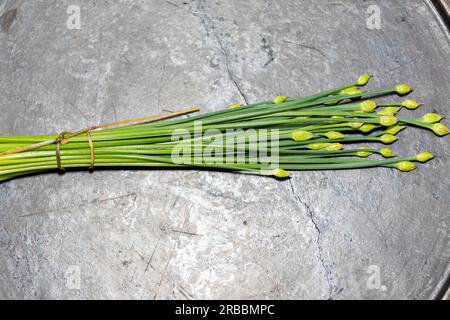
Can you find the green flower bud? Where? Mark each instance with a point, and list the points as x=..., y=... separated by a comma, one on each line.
x=318, y=145
x=424, y=156
x=405, y=166
x=363, y=153
x=333, y=135
x=395, y=129
x=234, y=106
x=387, y=138
x=367, y=106
x=386, y=152
x=439, y=129
x=384, y=112
x=301, y=135
x=362, y=80
x=281, y=173
x=387, y=121
x=279, y=99
x=410, y=104
x=402, y=89
x=351, y=90
x=367, y=127
x=355, y=125
x=334, y=147
x=392, y=110
x=331, y=103
x=431, y=118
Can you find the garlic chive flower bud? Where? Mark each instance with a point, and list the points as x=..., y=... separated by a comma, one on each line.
x=362, y=80
x=387, y=138
x=367, y=127
x=387, y=121
x=410, y=104
x=395, y=129
x=388, y=111
x=318, y=145
x=424, y=156
x=279, y=99
x=363, y=153
x=333, y=135
x=281, y=173
x=384, y=112
x=234, y=106
x=386, y=152
x=402, y=89
x=439, y=129
x=331, y=103
x=431, y=118
x=355, y=125
x=394, y=110
x=367, y=106
x=334, y=147
x=405, y=166
x=351, y=90
x=301, y=135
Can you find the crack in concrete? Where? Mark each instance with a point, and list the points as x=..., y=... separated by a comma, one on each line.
x=265, y=46
x=305, y=46
x=210, y=27
x=325, y=267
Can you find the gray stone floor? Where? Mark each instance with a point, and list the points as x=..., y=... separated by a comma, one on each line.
x=170, y=235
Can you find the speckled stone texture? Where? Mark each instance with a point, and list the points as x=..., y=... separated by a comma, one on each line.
x=376, y=234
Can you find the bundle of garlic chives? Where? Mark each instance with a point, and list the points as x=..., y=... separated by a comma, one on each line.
x=269, y=137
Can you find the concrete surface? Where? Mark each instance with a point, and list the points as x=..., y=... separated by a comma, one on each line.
x=376, y=234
